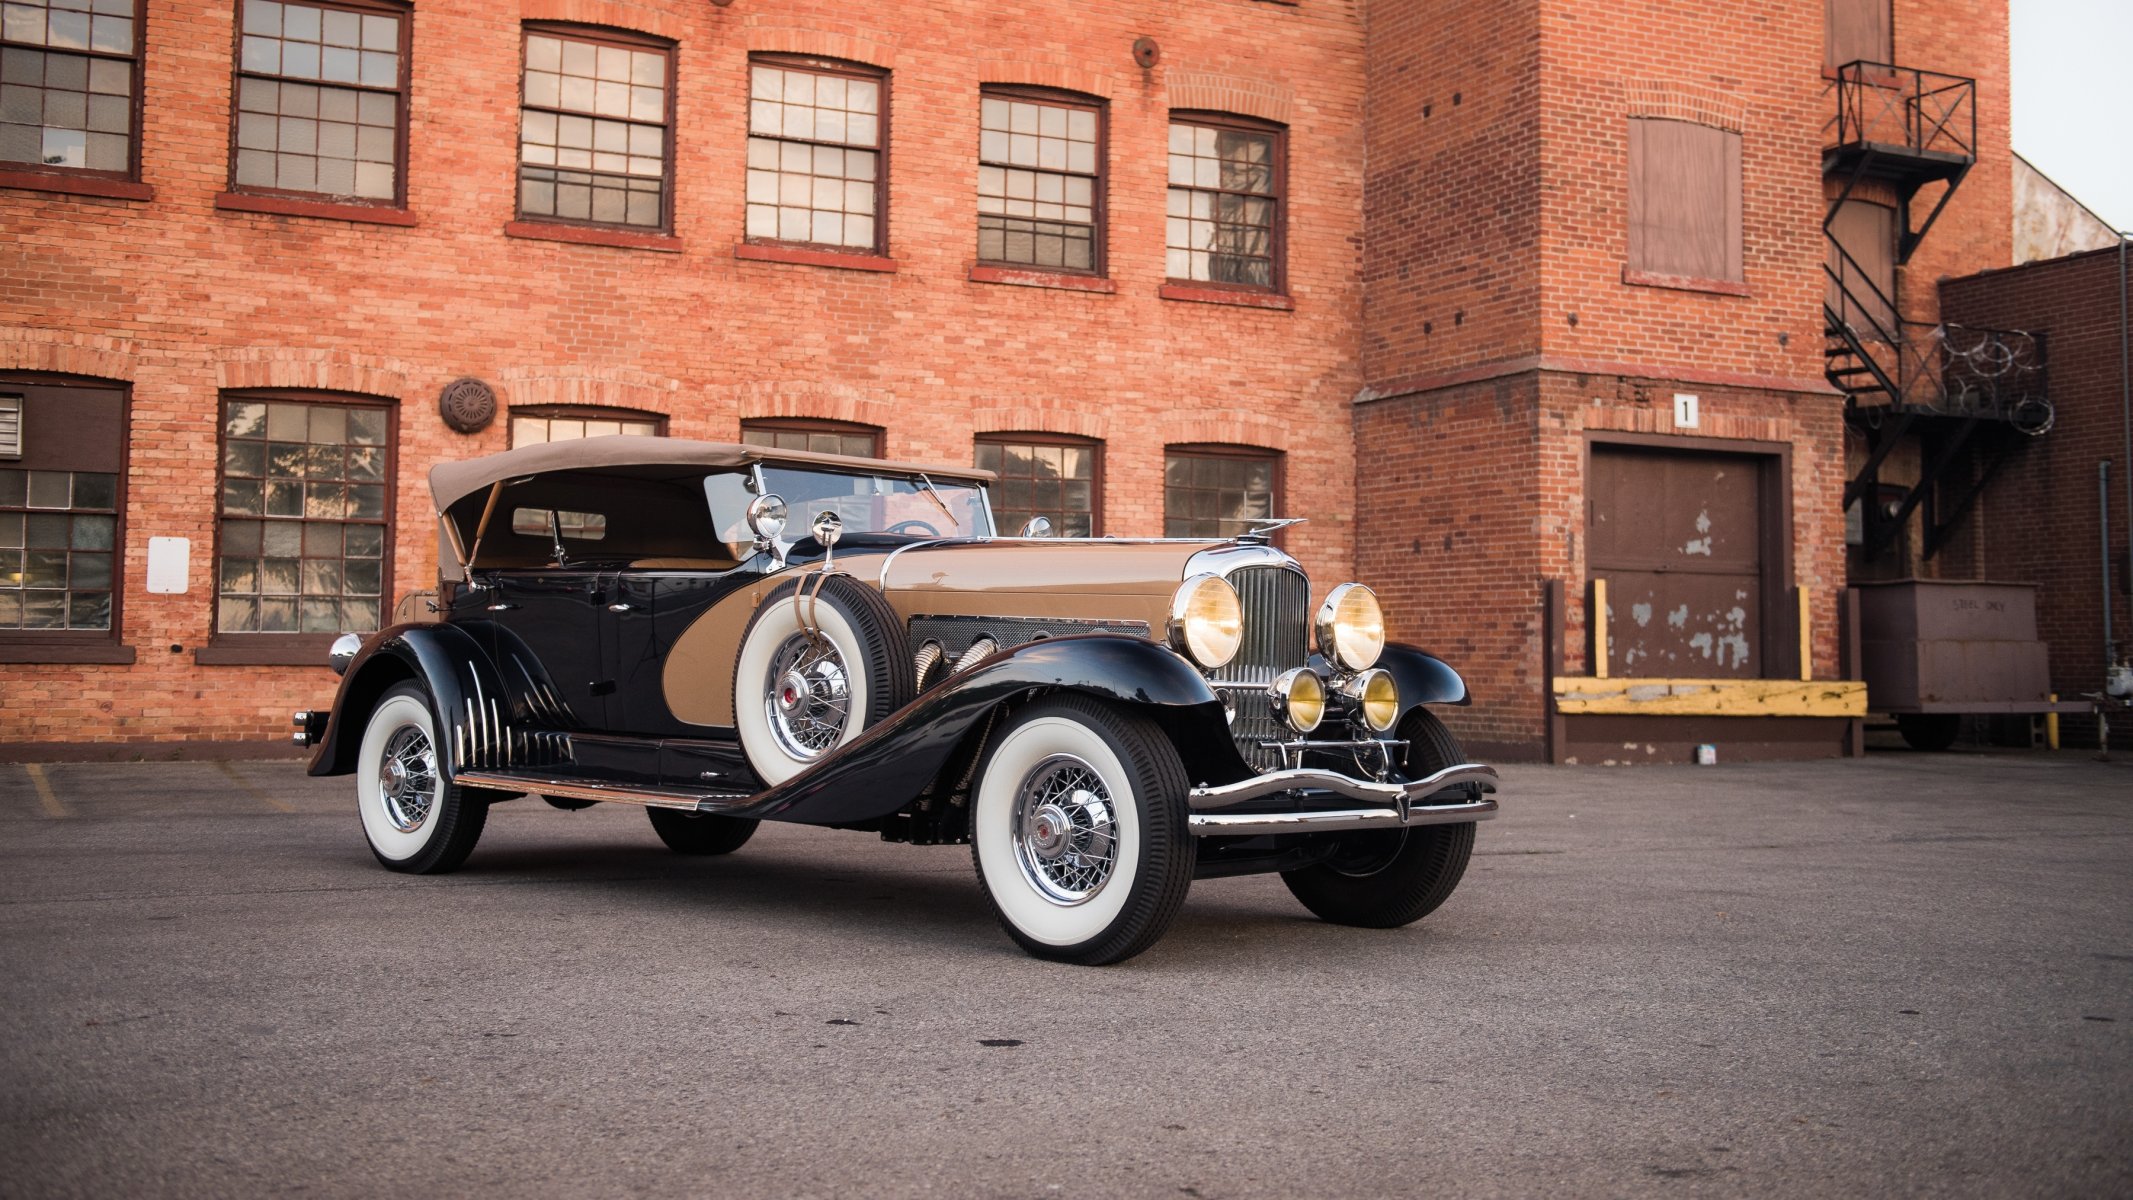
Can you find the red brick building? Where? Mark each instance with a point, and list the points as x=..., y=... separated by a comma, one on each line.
x=1430, y=274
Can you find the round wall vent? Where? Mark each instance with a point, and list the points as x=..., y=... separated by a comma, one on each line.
x=467, y=404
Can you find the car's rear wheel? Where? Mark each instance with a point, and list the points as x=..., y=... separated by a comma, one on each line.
x=1388, y=878
x=415, y=819
x=814, y=670
x=700, y=833
x=1078, y=831
x=1929, y=731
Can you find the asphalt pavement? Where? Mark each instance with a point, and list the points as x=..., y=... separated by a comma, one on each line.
x=1906, y=975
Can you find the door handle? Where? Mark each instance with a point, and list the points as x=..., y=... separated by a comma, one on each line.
x=502, y=607
x=623, y=606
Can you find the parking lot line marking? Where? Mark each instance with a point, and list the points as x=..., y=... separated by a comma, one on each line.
x=52, y=806
x=253, y=789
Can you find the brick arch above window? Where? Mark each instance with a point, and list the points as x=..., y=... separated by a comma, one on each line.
x=613, y=387
x=1034, y=72
x=1245, y=431
x=1026, y=419
x=763, y=38
x=318, y=371
x=1669, y=101
x=57, y=353
x=812, y=401
x=625, y=16
x=1206, y=91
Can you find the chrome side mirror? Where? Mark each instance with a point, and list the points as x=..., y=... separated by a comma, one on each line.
x=766, y=520
x=343, y=652
x=828, y=527
x=1036, y=527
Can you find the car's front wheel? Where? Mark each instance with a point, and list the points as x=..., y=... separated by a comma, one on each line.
x=415, y=819
x=1387, y=878
x=1078, y=831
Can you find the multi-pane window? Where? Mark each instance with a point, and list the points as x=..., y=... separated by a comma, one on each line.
x=1684, y=199
x=534, y=425
x=69, y=72
x=320, y=92
x=1224, y=208
x=815, y=153
x=62, y=454
x=58, y=537
x=1218, y=491
x=1051, y=477
x=303, y=536
x=822, y=437
x=594, y=142
x=1040, y=183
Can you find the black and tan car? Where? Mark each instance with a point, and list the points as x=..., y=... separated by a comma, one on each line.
x=732, y=634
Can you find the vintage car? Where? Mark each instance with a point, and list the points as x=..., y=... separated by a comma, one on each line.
x=731, y=634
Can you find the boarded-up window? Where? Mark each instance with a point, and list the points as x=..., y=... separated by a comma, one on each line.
x=1681, y=540
x=1855, y=30
x=1684, y=200
x=1862, y=268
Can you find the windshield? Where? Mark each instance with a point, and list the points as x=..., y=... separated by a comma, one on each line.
x=881, y=503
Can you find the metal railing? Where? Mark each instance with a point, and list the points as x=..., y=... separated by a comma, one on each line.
x=1904, y=108
x=1887, y=364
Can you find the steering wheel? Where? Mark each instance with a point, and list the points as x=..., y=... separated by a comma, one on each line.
x=913, y=526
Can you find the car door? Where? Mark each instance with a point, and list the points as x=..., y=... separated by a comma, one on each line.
x=557, y=617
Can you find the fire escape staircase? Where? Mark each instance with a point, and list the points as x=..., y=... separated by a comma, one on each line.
x=1899, y=130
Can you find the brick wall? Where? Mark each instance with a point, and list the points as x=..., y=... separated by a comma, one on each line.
x=180, y=299
x=2039, y=517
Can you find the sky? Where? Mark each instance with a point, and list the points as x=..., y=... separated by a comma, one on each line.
x=2073, y=111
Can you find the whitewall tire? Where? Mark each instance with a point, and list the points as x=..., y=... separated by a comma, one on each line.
x=1078, y=831
x=799, y=693
x=413, y=817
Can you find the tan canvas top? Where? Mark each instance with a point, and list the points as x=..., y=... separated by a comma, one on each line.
x=454, y=481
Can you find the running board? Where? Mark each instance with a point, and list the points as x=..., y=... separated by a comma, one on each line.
x=608, y=793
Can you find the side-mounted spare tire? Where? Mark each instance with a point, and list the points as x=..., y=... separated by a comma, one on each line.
x=802, y=688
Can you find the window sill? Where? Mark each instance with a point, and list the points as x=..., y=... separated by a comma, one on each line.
x=1684, y=283
x=840, y=259
x=67, y=652
x=289, y=206
x=585, y=235
x=1039, y=278
x=77, y=185
x=1215, y=295
x=310, y=652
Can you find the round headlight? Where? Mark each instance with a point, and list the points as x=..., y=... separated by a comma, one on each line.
x=1351, y=627
x=1299, y=697
x=1206, y=620
x=1378, y=698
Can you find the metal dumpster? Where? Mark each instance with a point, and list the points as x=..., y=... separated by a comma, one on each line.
x=1931, y=650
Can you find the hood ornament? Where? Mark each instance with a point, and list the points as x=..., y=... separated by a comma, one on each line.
x=1264, y=528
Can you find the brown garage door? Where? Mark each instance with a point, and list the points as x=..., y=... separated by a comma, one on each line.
x=1679, y=538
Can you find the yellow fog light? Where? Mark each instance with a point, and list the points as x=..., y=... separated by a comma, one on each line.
x=1377, y=696
x=1206, y=621
x=1299, y=698
x=1351, y=627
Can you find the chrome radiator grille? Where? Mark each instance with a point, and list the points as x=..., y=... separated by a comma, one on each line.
x=1276, y=601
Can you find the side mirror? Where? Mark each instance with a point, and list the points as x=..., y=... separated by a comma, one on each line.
x=828, y=528
x=1036, y=527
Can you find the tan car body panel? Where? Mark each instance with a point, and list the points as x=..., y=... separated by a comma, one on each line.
x=1091, y=581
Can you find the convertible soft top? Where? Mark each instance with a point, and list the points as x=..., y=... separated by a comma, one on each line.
x=454, y=481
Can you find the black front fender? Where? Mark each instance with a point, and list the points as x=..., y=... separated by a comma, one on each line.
x=889, y=765
x=1422, y=678
x=445, y=659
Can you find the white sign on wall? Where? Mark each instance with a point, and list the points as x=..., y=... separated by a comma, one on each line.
x=169, y=562
x=1684, y=411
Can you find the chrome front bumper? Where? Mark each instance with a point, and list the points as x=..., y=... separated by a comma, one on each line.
x=1392, y=805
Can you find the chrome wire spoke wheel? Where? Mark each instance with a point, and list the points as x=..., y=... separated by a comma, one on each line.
x=1065, y=834
x=407, y=778
x=807, y=696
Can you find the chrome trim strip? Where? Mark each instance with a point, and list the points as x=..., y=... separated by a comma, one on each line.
x=573, y=789
x=1338, y=821
x=1319, y=780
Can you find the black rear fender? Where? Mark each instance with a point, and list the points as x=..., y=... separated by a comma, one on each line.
x=475, y=709
x=931, y=744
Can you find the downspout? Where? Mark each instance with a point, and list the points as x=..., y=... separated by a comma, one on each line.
x=2125, y=421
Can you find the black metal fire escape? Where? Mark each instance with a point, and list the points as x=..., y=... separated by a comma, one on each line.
x=1962, y=391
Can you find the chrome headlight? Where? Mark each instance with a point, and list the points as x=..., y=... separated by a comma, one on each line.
x=1351, y=627
x=1376, y=696
x=1206, y=621
x=1299, y=697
